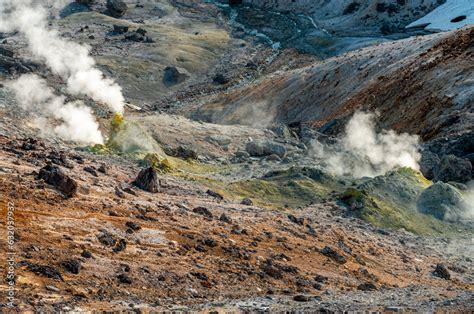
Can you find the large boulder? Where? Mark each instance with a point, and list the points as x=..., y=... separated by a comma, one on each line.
x=452, y=168
x=174, y=75
x=116, y=8
x=429, y=161
x=442, y=201
x=55, y=176
x=147, y=180
x=265, y=148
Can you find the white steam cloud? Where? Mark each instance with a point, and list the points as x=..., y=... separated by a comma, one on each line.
x=364, y=152
x=66, y=58
x=75, y=121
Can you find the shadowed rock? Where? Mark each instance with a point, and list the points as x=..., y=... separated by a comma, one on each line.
x=53, y=175
x=442, y=272
x=116, y=8
x=147, y=180
x=452, y=168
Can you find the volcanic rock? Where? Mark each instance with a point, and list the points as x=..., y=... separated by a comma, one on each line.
x=53, y=175
x=120, y=29
x=202, y=211
x=225, y=218
x=330, y=252
x=368, y=286
x=442, y=201
x=181, y=151
x=452, y=168
x=47, y=271
x=116, y=8
x=174, y=75
x=442, y=272
x=147, y=180
x=73, y=266
x=247, y=202
x=85, y=2
x=265, y=148
x=301, y=298
x=215, y=195
x=429, y=161
x=123, y=278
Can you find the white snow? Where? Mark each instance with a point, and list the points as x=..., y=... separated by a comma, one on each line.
x=440, y=19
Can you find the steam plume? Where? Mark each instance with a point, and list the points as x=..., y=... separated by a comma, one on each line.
x=364, y=152
x=77, y=122
x=67, y=59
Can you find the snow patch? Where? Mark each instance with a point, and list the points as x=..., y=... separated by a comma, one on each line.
x=451, y=15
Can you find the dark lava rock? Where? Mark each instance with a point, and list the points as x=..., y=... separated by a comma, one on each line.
x=320, y=278
x=247, y=202
x=147, y=180
x=116, y=8
x=302, y=298
x=6, y=52
x=368, y=286
x=294, y=219
x=123, y=278
x=215, y=195
x=47, y=271
x=90, y=170
x=452, y=168
x=202, y=211
x=225, y=218
x=220, y=79
x=132, y=225
x=235, y=2
x=174, y=75
x=86, y=254
x=121, y=246
x=200, y=276
x=442, y=272
x=429, y=161
x=182, y=152
x=53, y=175
x=141, y=31
x=119, y=29
x=329, y=252
x=73, y=266
x=106, y=239
x=272, y=271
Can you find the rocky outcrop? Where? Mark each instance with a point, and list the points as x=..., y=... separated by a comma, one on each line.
x=55, y=176
x=265, y=148
x=442, y=201
x=174, y=75
x=147, y=180
x=452, y=168
x=116, y=8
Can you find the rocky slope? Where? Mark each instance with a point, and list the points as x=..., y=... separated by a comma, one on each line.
x=217, y=190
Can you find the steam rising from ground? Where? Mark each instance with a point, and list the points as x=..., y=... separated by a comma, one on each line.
x=364, y=152
x=67, y=59
x=76, y=121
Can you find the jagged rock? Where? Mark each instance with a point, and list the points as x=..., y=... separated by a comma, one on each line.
x=301, y=298
x=123, y=278
x=452, y=168
x=330, y=252
x=132, y=225
x=442, y=201
x=215, y=195
x=147, y=180
x=225, y=218
x=442, y=272
x=116, y=8
x=73, y=266
x=47, y=271
x=53, y=175
x=86, y=254
x=265, y=148
x=174, y=75
x=429, y=161
x=120, y=29
x=121, y=245
x=247, y=202
x=294, y=219
x=202, y=211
